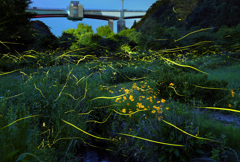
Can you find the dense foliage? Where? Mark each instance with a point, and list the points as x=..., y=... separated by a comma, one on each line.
x=105, y=31
x=44, y=39
x=14, y=25
x=190, y=13
x=220, y=16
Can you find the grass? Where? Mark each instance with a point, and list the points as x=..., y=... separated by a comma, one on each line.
x=125, y=106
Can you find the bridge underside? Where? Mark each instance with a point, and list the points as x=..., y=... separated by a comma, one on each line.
x=87, y=16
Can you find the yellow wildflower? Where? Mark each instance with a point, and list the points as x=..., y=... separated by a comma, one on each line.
x=127, y=104
x=134, y=85
x=140, y=105
x=163, y=101
x=153, y=111
x=130, y=97
x=229, y=105
x=232, y=93
x=126, y=90
x=167, y=108
x=171, y=84
x=159, y=111
x=124, y=110
x=137, y=104
x=158, y=102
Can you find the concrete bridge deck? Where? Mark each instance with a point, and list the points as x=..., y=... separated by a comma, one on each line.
x=94, y=14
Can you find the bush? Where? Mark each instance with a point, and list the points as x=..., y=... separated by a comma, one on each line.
x=122, y=75
x=66, y=40
x=148, y=126
x=228, y=37
x=133, y=38
x=105, y=31
x=165, y=39
x=184, y=83
x=83, y=35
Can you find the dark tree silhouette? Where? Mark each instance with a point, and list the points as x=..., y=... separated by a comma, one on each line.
x=14, y=25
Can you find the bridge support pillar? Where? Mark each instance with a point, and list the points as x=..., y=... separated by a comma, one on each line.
x=110, y=23
x=120, y=24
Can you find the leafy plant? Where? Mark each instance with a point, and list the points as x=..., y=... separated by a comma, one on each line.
x=105, y=31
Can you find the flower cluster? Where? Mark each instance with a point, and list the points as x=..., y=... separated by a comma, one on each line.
x=139, y=105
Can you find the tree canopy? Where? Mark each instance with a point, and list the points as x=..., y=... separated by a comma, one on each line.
x=14, y=25
x=83, y=35
x=105, y=31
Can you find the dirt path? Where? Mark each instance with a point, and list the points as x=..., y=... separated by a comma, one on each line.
x=226, y=119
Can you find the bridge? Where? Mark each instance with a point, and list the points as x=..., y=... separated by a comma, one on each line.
x=76, y=12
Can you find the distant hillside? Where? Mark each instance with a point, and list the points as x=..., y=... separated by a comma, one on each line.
x=186, y=14
x=41, y=28
x=44, y=38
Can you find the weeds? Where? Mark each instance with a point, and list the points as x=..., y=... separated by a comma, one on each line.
x=141, y=109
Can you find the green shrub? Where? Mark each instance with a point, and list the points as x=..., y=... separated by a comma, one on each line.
x=153, y=129
x=184, y=83
x=66, y=40
x=124, y=75
x=165, y=39
x=105, y=31
x=228, y=37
